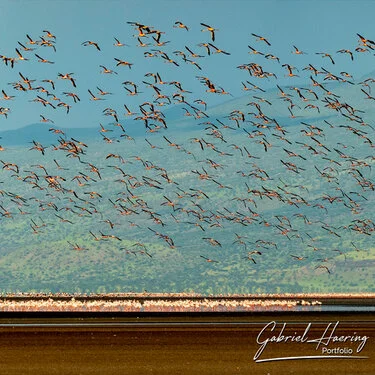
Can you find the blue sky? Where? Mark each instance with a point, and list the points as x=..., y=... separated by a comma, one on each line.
x=312, y=26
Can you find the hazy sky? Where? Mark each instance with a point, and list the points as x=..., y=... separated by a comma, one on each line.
x=312, y=26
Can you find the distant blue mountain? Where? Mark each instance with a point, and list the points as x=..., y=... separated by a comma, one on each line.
x=175, y=115
x=49, y=134
x=41, y=133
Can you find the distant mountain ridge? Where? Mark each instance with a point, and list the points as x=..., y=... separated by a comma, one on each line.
x=40, y=133
x=48, y=132
x=180, y=117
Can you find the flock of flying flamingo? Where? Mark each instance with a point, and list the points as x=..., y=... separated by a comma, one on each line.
x=224, y=155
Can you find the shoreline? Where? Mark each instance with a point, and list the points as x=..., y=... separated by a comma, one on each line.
x=183, y=302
